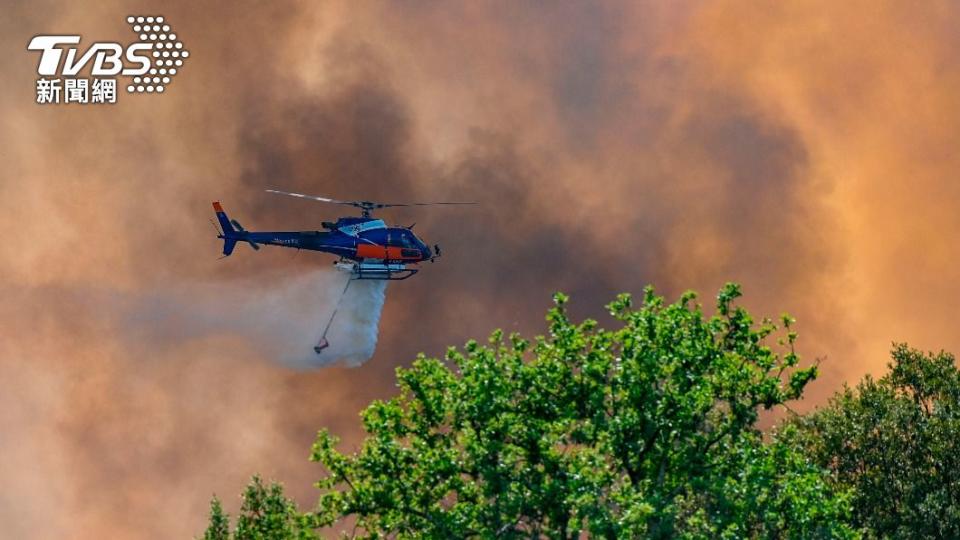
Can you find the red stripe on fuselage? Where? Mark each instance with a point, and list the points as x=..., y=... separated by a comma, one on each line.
x=371, y=251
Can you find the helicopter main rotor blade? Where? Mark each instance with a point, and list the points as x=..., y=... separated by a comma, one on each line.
x=311, y=197
x=425, y=204
x=391, y=205
x=365, y=205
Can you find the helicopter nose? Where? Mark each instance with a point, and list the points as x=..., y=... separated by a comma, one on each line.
x=426, y=251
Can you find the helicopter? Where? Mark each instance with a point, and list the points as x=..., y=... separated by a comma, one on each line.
x=367, y=248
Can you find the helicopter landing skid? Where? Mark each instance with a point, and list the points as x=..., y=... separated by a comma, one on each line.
x=376, y=271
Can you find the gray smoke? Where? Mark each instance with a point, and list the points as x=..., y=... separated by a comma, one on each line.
x=282, y=320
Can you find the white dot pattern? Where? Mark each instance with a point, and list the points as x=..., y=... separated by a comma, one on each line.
x=166, y=48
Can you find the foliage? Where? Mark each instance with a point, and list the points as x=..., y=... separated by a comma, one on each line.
x=647, y=430
x=896, y=442
x=219, y=527
x=265, y=514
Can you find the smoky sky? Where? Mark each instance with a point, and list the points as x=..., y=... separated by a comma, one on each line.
x=805, y=151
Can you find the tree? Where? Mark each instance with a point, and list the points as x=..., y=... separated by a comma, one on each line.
x=219, y=527
x=265, y=514
x=896, y=443
x=647, y=430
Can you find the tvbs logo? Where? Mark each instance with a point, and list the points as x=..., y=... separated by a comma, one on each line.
x=151, y=63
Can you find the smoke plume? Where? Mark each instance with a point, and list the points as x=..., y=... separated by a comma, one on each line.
x=281, y=317
x=805, y=150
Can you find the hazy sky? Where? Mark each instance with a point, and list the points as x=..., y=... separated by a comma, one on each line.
x=805, y=149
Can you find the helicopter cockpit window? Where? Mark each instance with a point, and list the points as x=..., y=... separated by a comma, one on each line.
x=406, y=241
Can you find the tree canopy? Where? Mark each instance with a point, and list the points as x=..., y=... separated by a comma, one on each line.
x=896, y=442
x=645, y=430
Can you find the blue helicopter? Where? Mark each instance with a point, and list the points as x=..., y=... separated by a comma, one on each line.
x=367, y=248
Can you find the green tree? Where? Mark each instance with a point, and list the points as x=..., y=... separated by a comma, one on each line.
x=647, y=430
x=265, y=514
x=219, y=527
x=896, y=442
